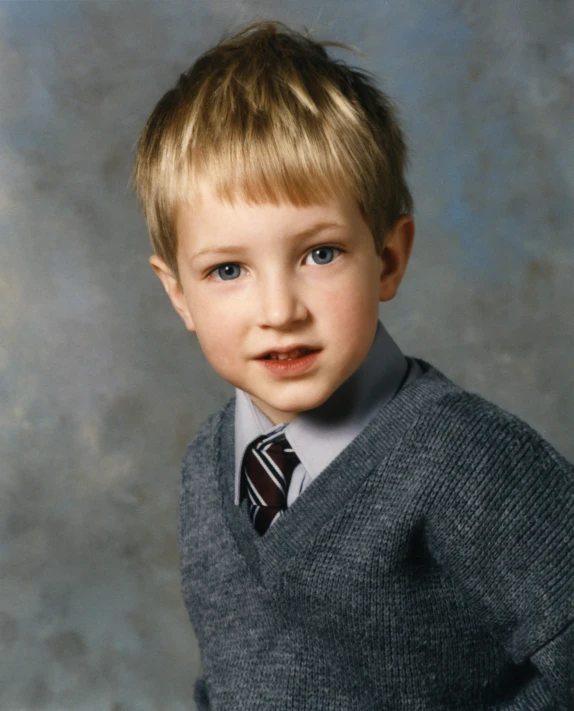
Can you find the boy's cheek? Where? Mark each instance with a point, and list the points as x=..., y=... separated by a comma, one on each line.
x=350, y=304
x=219, y=339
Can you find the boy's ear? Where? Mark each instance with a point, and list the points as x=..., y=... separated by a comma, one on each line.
x=395, y=257
x=173, y=289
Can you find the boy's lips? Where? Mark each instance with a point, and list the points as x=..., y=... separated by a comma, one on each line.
x=283, y=350
x=290, y=366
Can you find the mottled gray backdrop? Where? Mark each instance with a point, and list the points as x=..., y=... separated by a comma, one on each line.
x=102, y=387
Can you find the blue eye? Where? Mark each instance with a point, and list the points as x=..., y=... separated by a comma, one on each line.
x=324, y=255
x=228, y=272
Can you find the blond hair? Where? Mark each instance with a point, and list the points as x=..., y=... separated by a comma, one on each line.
x=267, y=116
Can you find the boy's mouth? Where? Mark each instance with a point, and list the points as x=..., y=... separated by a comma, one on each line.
x=289, y=355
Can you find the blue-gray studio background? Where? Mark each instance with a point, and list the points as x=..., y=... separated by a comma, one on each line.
x=102, y=387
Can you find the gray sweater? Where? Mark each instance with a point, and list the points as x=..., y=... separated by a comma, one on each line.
x=429, y=566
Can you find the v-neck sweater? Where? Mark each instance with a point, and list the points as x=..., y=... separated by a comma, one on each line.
x=429, y=566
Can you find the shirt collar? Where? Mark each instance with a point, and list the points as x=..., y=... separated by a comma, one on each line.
x=320, y=434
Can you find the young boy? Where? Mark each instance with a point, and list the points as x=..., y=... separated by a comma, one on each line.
x=356, y=531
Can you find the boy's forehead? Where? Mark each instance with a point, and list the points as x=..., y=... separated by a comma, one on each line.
x=208, y=214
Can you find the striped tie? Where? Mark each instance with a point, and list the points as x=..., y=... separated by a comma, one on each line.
x=267, y=467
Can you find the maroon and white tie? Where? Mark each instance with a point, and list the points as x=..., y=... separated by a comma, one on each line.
x=268, y=465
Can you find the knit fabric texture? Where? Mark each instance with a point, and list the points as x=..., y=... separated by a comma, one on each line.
x=430, y=566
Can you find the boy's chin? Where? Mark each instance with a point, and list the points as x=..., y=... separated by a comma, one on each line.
x=286, y=409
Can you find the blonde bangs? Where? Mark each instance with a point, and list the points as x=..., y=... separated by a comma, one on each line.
x=275, y=156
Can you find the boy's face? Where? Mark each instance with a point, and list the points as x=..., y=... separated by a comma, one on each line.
x=261, y=278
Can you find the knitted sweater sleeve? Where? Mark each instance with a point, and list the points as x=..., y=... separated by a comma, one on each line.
x=501, y=524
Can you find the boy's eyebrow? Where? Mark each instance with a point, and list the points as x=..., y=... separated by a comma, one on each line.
x=307, y=232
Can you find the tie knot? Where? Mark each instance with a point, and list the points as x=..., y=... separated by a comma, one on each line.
x=276, y=447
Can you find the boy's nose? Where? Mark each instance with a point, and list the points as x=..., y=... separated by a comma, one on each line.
x=280, y=304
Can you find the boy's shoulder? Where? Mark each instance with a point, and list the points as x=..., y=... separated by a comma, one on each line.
x=479, y=427
x=469, y=451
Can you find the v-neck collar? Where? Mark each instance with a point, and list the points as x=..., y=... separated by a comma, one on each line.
x=267, y=555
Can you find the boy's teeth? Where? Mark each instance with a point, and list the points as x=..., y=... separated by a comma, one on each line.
x=288, y=356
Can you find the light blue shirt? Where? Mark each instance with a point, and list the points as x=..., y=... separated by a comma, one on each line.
x=321, y=434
